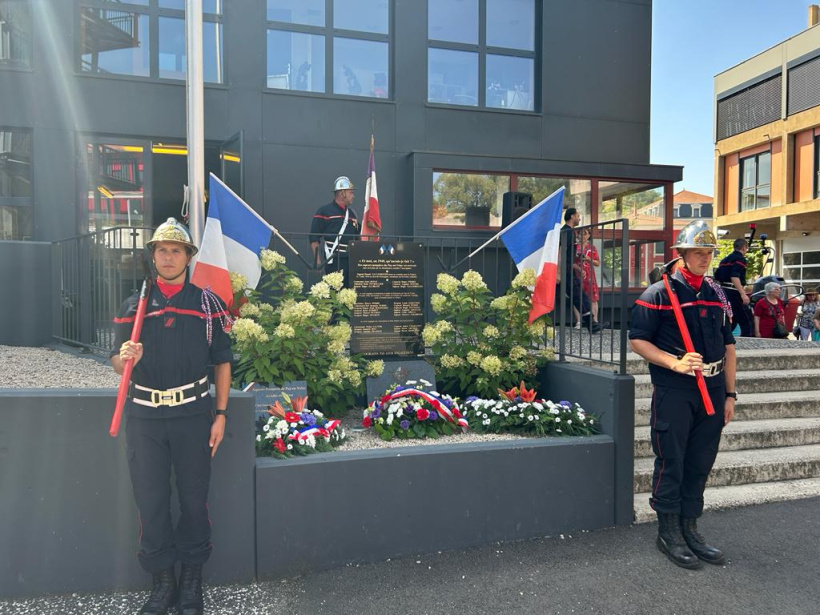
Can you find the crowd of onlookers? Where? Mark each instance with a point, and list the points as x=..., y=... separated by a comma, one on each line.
x=769, y=315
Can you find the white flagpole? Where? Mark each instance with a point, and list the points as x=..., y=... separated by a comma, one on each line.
x=195, y=118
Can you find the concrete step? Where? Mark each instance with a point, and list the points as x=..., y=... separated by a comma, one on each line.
x=747, y=360
x=750, y=466
x=744, y=435
x=750, y=382
x=780, y=404
x=720, y=498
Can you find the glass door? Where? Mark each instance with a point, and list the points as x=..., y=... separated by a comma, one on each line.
x=230, y=164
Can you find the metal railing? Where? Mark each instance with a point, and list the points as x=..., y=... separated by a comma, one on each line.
x=95, y=273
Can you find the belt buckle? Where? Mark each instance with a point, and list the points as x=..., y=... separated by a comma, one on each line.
x=171, y=397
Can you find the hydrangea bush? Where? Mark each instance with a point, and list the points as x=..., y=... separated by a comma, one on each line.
x=482, y=343
x=518, y=411
x=409, y=411
x=283, y=334
x=296, y=432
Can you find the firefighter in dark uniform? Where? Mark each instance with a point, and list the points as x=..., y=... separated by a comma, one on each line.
x=731, y=273
x=333, y=226
x=172, y=418
x=684, y=437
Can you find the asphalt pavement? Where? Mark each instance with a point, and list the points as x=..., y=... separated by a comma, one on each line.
x=772, y=568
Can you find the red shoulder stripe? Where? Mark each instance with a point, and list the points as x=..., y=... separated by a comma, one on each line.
x=172, y=310
x=652, y=307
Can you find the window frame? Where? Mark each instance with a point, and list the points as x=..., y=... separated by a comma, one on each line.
x=29, y=67
x=154, y=13
x=757, y=185
x=330, y=34
x=22, y=202
x=483, y=50
x=816, y=175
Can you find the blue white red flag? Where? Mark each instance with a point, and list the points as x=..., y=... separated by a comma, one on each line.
x=532, y=242
x=233, y=237
x=371, y=218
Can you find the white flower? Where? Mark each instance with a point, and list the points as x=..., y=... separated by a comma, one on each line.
x=320, y=290
x=390, y=419
x=425, y=383
x=258, y=437
x=537, y=418
x=249, y=310
x=347, y=297
x=529, y=417
x=412, y=382
x=271, y=259
x=559, y=431
x=266, y=428
x=537, y=406
x=335, y=280
x=290, y=447
x=558, y=419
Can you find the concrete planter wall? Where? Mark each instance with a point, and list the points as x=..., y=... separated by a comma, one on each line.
x=67, y=516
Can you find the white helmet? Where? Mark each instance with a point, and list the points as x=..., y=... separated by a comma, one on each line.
x=342, y=183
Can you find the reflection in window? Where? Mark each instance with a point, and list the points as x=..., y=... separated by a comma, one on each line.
x=511, y=24
x=15, y=163
x=468, y=199
x=756, y=179
x=509, y=82
x=360, y=68
x=644, y=205
x=453, y=77
x=114, y=41
x=15, y=223
x=115, y=186
x=455, y=21
x=361, y=15
x=15, y=33
x=213, y=7
x=172, y=50
x=577, y=193
x=304, y=12
x=296, y=61
x=644, y=256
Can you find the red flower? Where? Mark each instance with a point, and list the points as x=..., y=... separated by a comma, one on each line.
x=456, y=413
x=279, y=445
x=367, y=421
x=292, y=417
x=298, y=403
x=277, y=410
x=422, y=414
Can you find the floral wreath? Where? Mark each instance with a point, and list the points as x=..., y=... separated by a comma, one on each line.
x=445, y=407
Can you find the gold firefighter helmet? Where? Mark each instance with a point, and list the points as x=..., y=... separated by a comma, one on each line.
x=171, y=230
x=696, y=234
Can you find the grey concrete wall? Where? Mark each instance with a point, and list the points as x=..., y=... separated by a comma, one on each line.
x=67, y=516
x=349, y=507
x=594, y=73
x=612, y=397
x=25, y=280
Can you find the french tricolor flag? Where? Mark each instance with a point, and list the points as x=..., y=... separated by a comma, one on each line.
x=233, y=237
x=532, y=242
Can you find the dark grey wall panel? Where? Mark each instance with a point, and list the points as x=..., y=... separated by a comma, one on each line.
x=612, y=397
x=25, y=310
x=594, y=140
x=67, y=516
x=426, y=499
x=483, y=132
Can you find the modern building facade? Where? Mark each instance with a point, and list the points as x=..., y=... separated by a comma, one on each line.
x=466, y=99
x=767, y=142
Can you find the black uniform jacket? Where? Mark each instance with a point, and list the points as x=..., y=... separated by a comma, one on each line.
x=175, y=346
x=328, y=220
x=653, y=320
x=733, y=266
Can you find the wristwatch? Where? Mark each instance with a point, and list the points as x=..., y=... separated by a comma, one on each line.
x=731, y=394
x=222, y=413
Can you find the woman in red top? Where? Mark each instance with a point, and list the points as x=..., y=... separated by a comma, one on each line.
x=590, y=260
x=768, y=311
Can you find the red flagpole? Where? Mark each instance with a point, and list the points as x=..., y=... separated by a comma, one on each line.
x=688, y=345
x=128, y=366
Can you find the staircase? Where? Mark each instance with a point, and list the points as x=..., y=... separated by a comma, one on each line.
x=770, y=451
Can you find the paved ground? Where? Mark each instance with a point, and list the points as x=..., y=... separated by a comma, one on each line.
x=773, y=568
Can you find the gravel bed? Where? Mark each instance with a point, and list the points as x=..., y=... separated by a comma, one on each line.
x=362, y=439
x=38, y=368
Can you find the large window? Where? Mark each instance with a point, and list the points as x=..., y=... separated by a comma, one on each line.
x=468, y=199
x=643, y=204
x=334, y=46
x=116, y=39
x=15, y=33
x=802, y=267
x=15, y=184
x=482, y=53
x=116, y=186
x=755, y=181
x=577, y=192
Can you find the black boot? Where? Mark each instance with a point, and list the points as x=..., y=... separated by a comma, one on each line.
x=163, y=595
x=697, y=544
x=190, y=590
x=671, y=542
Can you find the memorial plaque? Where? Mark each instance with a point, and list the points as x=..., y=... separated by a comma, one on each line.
x=389, y=313
x=399, y=372
x=266, y=396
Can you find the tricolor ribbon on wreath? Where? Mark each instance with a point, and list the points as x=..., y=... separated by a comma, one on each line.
x=324, y=432
x=454, y=416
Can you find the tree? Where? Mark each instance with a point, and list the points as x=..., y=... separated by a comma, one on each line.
x=755, y=259
x=458, y=191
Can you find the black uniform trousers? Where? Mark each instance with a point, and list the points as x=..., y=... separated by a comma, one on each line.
x=741, y=314
x=154, y=446
x=685, y=440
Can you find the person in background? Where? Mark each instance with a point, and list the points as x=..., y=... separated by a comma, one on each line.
x=732, y=274
x=769, y=311
x=815, y=334
x=572, y=272
x=805, y=324
x=590, y=260
x=333, y=226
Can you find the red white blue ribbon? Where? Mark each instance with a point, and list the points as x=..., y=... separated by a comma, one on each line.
x=440, y=406
x=322, y=432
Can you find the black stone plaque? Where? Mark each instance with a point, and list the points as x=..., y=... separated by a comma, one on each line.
x=389, y=313
x=267, y=396
x=399, y=372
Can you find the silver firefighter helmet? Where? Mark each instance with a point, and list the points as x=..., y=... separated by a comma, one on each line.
x=696, y=234
x=342, y=183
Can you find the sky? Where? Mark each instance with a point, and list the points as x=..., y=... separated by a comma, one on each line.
x=692, y=41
